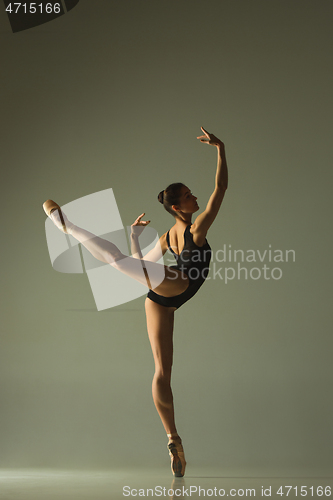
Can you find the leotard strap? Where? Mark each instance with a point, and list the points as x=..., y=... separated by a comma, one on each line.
x=169, y=247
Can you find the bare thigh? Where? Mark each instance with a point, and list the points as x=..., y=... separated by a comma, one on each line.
x=160, y=321
x=163, y=280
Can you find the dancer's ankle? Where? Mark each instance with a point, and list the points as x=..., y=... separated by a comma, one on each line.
x=70, y=227
x=174, y=436
x=61, y=222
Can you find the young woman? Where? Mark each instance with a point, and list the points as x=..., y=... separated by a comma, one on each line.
x=187, y=241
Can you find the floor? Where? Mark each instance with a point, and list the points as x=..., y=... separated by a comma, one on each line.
x=44, y=484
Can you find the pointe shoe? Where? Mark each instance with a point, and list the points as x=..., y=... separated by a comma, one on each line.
x=54, y=212
x=176, y=452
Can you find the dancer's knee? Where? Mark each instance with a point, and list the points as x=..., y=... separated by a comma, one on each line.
x=162, y=377
x=114, y=259
x=162, y=393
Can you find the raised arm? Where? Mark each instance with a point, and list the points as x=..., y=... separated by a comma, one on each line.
x=203, y=222
x=155, y=253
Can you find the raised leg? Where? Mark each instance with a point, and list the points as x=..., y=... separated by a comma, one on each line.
x=163, y=280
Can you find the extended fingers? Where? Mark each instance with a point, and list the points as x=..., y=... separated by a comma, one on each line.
x=143, y=222
x=209, y=138
x=204, y=138
x=140, y=222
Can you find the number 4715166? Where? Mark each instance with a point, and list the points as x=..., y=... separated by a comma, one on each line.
x=32, y=8
x=303, y=491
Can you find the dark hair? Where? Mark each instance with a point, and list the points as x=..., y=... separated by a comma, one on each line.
x=170, y=196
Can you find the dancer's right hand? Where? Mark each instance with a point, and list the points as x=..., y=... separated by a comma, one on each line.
x=210, y=139
x=138, y=225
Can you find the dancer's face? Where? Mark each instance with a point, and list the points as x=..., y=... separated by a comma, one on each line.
x=187, y=201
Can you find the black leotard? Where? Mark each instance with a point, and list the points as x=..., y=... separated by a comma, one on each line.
x=194, y=261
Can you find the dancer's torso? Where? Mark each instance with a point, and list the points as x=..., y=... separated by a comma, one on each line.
x=191, y=255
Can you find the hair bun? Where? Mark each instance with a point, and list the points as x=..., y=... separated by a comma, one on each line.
x=161, y=197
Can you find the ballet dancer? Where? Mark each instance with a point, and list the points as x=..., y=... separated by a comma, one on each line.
x=187, y=242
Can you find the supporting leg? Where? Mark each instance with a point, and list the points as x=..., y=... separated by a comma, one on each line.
x=160, y=330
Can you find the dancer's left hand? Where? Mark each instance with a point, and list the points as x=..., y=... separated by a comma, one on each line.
x=138, y=225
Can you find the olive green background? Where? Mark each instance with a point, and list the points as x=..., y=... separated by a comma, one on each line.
x=113, y=94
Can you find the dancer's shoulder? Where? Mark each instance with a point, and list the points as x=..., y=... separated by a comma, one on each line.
x=204, y=220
